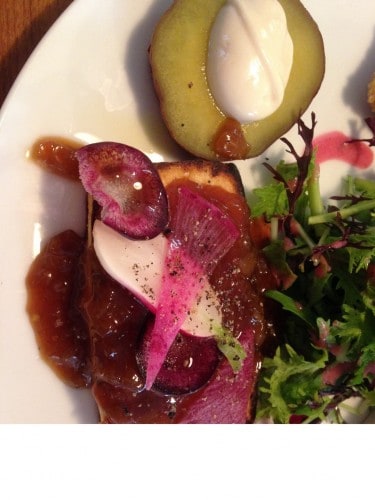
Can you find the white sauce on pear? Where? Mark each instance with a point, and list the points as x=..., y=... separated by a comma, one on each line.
x=250, y=56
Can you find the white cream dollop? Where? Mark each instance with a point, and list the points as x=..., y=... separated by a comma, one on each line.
x=250, y=56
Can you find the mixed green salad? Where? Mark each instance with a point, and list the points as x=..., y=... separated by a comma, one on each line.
x=323, y=254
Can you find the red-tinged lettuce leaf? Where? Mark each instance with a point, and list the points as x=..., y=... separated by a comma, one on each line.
x=227, y=397
x=201, y=234
x=334, y=372
x=127, y=186
x=277, y=258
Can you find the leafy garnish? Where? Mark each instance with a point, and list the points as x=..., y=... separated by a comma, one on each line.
x=289, y=304
x=230, y=347
x=290, y=385
x=323, y=256
x=271, y=200
x=276, y=256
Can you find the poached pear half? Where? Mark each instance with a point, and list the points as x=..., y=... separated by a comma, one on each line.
x=178, y=55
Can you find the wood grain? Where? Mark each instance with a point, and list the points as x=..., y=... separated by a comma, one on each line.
x=22, y=25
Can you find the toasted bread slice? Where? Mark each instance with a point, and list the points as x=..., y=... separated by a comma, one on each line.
x=111, y=399
x=224, y=175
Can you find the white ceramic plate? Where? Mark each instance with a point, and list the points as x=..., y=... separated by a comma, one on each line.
x=89, y=80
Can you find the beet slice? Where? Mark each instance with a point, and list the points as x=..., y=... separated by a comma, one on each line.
x=127, y=186
x=190, y=362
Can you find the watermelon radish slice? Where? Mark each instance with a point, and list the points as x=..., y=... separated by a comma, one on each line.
x=127, y=186
x=138, y=266
x=201, y=234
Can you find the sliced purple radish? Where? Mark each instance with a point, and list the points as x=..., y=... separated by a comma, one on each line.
x=138, y=266
x=127, y=186
x=190, y=362
x=201, y=234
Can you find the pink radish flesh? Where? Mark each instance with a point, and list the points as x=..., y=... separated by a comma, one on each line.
x=201, y=234
x=127, y=186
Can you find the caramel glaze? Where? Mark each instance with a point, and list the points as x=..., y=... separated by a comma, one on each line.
x=87, y=326
x=229, y=142
x=56, y=155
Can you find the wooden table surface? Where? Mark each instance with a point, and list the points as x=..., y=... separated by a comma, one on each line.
x=22, y=25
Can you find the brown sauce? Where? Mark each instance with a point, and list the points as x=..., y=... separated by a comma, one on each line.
x=87, y=326
x=53, y=286
x=57, y=155
x=229, y=142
